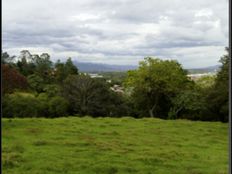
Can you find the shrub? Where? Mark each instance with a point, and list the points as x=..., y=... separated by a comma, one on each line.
x=51, y=90
x=18, y=105
x=43, y=108
x=58, y=106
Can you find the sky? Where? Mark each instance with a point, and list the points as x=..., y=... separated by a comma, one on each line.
x=122, y=32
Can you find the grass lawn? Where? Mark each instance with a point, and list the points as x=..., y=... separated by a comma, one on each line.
x=113, y=145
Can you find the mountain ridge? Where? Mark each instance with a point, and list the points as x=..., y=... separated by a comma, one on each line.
x=101, y=67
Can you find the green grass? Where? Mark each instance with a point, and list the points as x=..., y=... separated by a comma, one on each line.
x=110, y=145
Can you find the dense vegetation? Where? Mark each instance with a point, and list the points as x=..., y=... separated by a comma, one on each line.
x=34, y=86
x=108, y=146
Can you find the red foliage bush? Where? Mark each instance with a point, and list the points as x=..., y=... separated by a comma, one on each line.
x=12, y=79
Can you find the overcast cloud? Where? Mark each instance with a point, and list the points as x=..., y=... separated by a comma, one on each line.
x=195, y=32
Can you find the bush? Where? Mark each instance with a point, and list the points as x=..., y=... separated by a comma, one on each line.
x=43, y=107
x=58, y=106
x=51, y=90
x=28, y=105
x=18, y=105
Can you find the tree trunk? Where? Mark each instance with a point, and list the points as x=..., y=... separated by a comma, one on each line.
x=178, y=110
x=151, y=113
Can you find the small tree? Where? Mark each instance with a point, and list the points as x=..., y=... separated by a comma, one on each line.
x=12, y=79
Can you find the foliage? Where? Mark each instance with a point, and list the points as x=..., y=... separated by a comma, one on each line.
x=60, y=73
x=25, y=64
x=29, y=105
x=219, y=94
x=62, y=70
x=44, y=67
x=52, y=90
x=87, y=96
x=36, y=82
x=154, y=84
x=70, y=67
x=118, y=105
x=58, y=106
x=188, y=104
x=206, y=81
x=19, y=105
x=158, y=88
x=12, y=79
x=43, y=107
x=6, y=58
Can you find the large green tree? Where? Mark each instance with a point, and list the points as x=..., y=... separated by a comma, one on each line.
x=70, y=67
x=154, y=84
x=25, y=64
x=87, y=96
x=62, y=70
x=44, y=67
x=218, y=98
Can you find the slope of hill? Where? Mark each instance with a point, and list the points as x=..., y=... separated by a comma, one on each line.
x=113, y=145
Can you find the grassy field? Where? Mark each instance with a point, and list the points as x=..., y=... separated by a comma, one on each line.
x=109, y=145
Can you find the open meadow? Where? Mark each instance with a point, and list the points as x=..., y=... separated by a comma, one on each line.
x=72, y=145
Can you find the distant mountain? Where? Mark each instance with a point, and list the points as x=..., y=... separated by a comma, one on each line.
x=208, y=69
x=98, y=67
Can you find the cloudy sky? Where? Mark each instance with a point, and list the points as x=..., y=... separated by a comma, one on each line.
x=194, y=32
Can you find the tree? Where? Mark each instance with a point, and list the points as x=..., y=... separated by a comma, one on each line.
x=188, y=104
x=154, y=84
x=44, y=66
x=87, y=96
x=36, y=83
x=25, y=63
x=62, y=70
x=6, y=58
x=60, y=73
x=70, y=67
x=205, y=82
x=218, y=97
x=12, y=79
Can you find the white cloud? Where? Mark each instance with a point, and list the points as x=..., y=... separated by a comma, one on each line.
x=194, y=32
x=204, y=13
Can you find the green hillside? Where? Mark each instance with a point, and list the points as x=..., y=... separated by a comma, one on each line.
x=113, y=145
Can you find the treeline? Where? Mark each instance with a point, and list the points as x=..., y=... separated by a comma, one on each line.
x=34, y=86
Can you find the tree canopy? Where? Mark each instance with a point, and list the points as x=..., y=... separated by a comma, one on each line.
x=154, y=83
